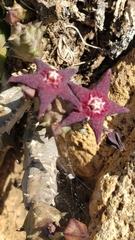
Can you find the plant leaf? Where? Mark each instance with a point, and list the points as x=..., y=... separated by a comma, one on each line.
x=75, y=230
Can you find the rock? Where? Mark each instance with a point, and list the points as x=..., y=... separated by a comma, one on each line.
x=80, y=150
x=112, y=204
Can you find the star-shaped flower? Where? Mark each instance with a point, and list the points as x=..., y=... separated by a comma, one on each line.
x=49, y=84
x=95, y=105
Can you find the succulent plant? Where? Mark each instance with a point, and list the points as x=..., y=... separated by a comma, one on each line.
x=16, y=13
x=26, y=41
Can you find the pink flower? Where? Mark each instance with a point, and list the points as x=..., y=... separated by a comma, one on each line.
x=95, y=105
x=49, y=84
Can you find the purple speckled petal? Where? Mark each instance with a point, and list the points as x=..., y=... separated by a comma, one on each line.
x=73, y=118
x=115, y=108
x=81, y=92
x=42, y=65
x=66, y=74
x=27, y=79
x=97, y=126
x=104, y=83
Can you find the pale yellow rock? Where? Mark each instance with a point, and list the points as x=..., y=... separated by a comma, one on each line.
x=112, y=206
x=81, y=151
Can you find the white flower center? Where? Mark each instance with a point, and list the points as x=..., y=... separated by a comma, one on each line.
x=96, y=104
x=53, y=78
x=53, y=75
